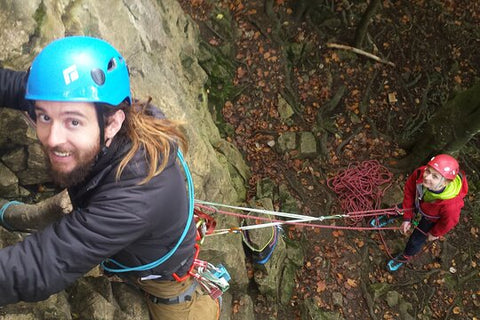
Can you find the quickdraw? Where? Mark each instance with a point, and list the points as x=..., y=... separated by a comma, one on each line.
x=214, y=279
x=205, y=224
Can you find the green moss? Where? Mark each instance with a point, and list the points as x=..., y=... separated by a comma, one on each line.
x=220, y=68
x=220, y=65
x=450, y=281
x=379, y=289
x=39, y=17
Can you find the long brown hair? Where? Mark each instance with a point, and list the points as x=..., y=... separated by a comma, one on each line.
x=146, y=130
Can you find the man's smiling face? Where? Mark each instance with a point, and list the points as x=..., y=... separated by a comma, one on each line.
x=70, y=135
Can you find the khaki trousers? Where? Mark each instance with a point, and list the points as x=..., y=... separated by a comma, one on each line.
x=201, y=307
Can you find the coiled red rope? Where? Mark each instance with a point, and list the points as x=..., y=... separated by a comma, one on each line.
x=360, y=187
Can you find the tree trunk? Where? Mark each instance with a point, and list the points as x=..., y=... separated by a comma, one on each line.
x=454, y=124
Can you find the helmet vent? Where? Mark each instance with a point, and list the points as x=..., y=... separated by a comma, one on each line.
x=98, y=76
x=112, y=64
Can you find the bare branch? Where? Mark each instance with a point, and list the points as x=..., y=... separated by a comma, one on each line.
x=359, y=51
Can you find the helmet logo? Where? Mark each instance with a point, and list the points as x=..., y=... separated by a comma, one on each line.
x=70, y=74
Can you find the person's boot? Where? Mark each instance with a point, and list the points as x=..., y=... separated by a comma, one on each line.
x=395, y=263
x=381, y=221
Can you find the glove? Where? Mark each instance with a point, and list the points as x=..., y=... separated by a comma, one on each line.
x=406, y=225
x=3, y=209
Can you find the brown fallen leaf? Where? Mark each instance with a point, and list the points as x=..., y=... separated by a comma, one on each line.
x=352, y=283
x=321, y=286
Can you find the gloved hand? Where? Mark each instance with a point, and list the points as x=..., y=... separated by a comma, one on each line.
x=31, y=217
x=405, y=226
x=4, y=205
x=431, y=237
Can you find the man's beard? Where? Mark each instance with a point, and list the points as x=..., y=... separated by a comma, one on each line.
x=79, y=173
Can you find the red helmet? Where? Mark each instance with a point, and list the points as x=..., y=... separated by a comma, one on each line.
x=446, y=165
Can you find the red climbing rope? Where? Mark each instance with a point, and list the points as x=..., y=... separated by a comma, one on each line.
x=360, y=187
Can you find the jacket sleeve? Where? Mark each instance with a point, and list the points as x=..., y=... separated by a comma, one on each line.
x=448, y=219
x=409, y=194
x=47, y=262
x=12, y=89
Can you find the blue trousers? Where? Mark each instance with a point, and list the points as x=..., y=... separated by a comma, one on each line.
x=418, y=238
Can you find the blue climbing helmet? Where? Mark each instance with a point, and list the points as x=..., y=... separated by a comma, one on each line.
x=79, y=69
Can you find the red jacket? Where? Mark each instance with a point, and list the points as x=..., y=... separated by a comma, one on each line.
x=445, y=213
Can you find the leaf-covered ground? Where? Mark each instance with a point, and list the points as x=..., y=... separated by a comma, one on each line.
x=359, y=109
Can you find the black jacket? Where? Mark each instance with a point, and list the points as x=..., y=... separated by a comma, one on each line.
x=133, y=224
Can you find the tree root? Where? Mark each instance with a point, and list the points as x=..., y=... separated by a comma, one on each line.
x=365, y=21
x=366, y=295
x=364, y=103
x=415, y=281
x=215, y=32
x=296, y=186
x=466, y=278
x=347, y=140
x=449, y=311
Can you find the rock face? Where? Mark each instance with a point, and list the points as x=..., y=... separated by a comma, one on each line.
x=159, y=43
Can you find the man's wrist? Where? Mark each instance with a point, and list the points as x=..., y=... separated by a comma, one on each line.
x=3, y=209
